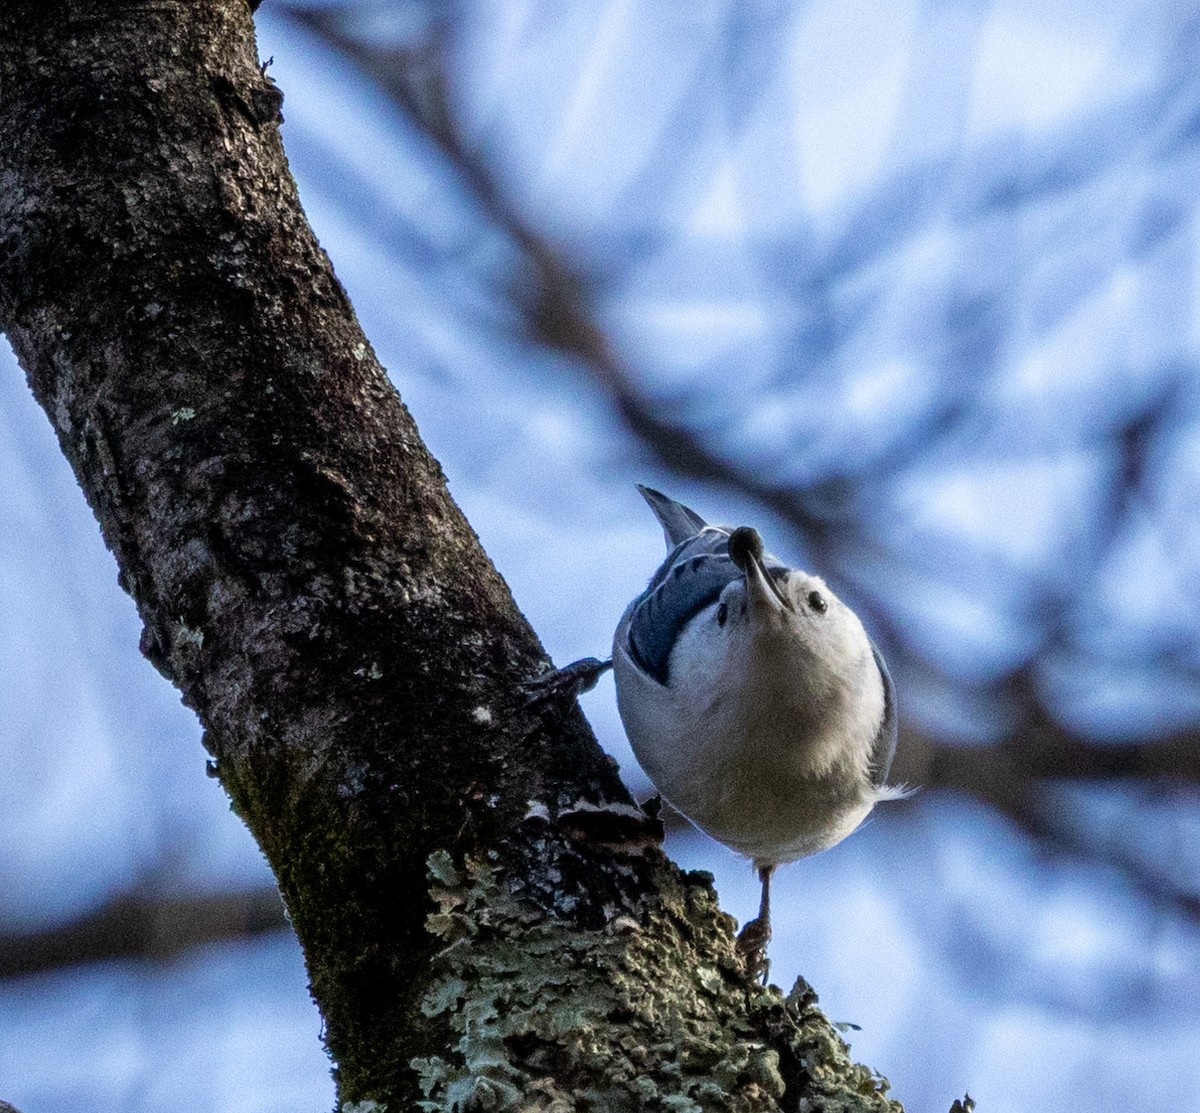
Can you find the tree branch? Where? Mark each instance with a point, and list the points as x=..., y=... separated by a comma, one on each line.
x=474, y=893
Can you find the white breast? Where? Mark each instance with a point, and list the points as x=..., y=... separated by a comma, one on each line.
x=742, y=740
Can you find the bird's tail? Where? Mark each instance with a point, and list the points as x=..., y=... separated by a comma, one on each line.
x=678, y=522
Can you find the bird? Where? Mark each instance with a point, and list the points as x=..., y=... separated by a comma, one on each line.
x=753, y=698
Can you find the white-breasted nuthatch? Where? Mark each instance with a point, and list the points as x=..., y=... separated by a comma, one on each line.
x=753, y=698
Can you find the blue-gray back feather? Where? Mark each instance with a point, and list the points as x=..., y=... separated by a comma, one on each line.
x=693, y=575
x=883, y=749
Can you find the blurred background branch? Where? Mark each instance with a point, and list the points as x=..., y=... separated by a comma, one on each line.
x=144, y=926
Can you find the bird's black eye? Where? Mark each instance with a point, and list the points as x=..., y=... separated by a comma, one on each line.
x=816, y=602
x=722, y=614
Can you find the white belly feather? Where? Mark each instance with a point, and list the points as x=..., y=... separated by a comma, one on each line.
x=750, y=762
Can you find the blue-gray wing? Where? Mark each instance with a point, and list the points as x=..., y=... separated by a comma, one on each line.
x=694, y=574
x=883, y=749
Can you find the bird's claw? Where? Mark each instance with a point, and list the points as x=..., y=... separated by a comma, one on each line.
x=570, y=681
x=751, y=948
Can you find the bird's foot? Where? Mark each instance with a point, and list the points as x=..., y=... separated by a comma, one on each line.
x=751, y=948
x=570, y=681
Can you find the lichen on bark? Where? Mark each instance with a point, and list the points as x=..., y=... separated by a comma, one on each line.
x=566, y=987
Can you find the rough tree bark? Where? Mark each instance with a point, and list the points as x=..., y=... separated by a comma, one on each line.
x=487, y=920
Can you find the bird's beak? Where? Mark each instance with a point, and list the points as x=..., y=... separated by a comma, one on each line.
x=746, y=551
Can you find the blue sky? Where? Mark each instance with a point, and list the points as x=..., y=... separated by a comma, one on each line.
x=940, y=256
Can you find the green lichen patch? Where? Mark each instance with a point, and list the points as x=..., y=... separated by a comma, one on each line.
x=572, y=980
x=815, y=1060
